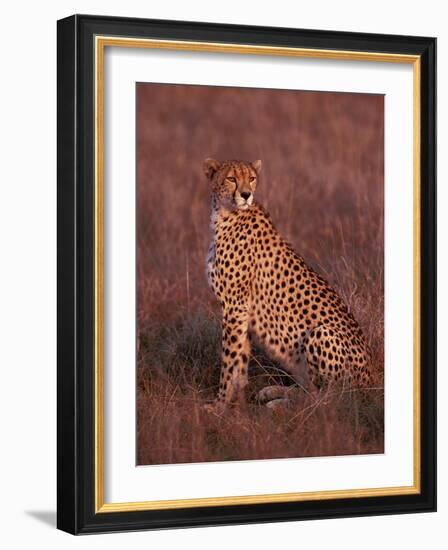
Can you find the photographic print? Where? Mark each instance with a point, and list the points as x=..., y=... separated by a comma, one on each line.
x=260, y=266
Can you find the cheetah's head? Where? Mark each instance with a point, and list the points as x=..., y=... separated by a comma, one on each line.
x=233, y=182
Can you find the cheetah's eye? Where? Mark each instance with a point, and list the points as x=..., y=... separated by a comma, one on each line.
x=252, y=179
x=233, y=180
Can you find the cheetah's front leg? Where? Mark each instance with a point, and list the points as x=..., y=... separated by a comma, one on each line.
x=234, y=357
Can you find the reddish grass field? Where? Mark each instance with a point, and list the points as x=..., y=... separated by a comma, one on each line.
x=322, y=182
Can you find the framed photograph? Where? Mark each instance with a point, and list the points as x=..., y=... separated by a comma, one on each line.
x=246, y=274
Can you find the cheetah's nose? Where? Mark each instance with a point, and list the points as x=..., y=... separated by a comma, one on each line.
x=245, y=195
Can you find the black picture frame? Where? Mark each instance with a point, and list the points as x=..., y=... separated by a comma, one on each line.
x=76, y=254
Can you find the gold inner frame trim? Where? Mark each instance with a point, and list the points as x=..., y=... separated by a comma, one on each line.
x=101, y=42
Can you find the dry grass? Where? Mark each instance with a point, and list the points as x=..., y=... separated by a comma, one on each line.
x=323, y=185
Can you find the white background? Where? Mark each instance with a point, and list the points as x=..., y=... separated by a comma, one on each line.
x=123, y=481
x=28, y=273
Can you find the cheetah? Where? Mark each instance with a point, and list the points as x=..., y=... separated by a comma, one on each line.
x=269, y=295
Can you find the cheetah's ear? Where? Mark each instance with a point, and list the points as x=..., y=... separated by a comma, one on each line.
x=256, y=165
x=211, y=166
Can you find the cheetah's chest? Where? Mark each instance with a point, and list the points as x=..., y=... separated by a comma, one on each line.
x=228, y=261
x=210, y=267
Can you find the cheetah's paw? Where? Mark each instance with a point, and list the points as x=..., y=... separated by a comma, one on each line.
x=215, y=407
x=281, y=403
x=270, y=393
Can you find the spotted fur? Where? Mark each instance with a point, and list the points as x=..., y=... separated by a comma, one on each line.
x=269, y=293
